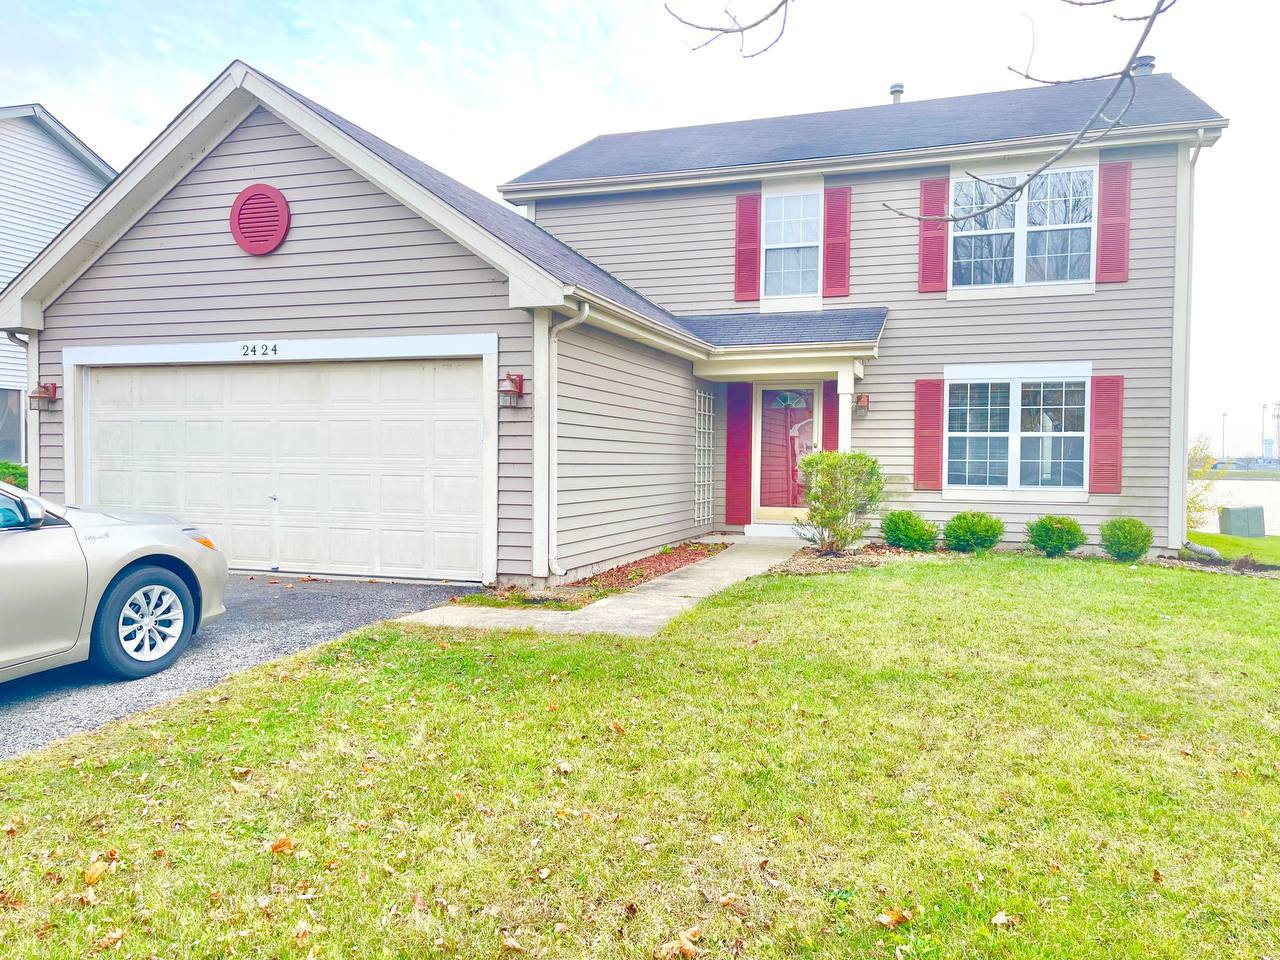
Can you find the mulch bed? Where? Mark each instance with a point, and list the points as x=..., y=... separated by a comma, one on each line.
x=810, y=560
x=647, y=568
x=1241, y=567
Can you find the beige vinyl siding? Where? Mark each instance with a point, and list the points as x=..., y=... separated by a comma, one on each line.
x=42, y=188
x=625, y=449
x=676, y=246
x=1123, y=328
x=356, y=263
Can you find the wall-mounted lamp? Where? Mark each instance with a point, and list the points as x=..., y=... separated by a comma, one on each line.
x=510, y=390
x=43, y=397
x=862, y=403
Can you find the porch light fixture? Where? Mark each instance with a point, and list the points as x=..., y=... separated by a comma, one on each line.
x=862, y=403
x=510, y=390
x=43, y=397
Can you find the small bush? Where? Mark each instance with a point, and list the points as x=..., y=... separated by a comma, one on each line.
x=972, y=532
x=908, y=530
x=1126, y=538
x=1054, y=535
x=13, y=473
x=840, y=489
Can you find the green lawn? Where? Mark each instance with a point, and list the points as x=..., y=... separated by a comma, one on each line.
x=1262, y=549
x=1091, y=749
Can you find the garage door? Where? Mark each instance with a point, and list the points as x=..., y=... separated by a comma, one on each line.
x=360, y=467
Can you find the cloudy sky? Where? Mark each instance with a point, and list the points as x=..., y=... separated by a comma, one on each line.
x=489, y=88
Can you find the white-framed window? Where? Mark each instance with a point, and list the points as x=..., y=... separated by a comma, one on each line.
x=1016, y=432
x=1047, y=235
x=703, y=458
x=792, y=249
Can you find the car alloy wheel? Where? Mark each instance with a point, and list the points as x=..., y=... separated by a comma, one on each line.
x=150, y=623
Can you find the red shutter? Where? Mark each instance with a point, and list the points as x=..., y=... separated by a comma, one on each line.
x=746, y=248
x=933, y=235
x=737, y=459
x=835, y=242
x=928, y=454
x=1106, y=434
x=1113, y=222
x=830, y=416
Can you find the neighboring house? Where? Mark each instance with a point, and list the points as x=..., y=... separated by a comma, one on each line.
x=278, y=326
x=47, y=175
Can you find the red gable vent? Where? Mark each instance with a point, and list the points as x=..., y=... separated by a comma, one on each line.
x=259, y=219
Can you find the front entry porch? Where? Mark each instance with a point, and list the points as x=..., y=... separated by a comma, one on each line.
x=772, y=419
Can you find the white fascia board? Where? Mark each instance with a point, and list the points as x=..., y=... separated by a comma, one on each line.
x=160, y=165
x=826, y=366
x=530, y=285
x=831, y=166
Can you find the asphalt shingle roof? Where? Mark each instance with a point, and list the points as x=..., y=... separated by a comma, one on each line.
x=851, y=325
x=911, y=125
x=571, y=267
x=551, y=254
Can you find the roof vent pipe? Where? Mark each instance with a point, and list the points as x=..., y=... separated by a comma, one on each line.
x=895, y=91
x=1144, y=66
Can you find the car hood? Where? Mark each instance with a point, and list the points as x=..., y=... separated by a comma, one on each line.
x=79, y=516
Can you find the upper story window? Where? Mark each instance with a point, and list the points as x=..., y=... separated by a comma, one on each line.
x=1045, y=236
x=792, y=230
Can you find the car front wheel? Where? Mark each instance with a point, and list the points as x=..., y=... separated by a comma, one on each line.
x=144, y=622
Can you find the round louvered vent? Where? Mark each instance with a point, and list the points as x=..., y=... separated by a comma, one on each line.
x=259, y=219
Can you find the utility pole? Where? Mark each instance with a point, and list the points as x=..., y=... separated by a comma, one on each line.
x=1224, y=436
x=1275, y=413
x=1262, y=450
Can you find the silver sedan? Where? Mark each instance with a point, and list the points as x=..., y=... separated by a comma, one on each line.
x=124, y=591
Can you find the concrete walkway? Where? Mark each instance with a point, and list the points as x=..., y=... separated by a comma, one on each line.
x=640, y=612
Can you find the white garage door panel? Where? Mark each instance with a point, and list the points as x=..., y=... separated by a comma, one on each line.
x=364, y=467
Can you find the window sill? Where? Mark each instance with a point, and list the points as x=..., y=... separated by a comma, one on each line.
x=790, y=304
x=1075, y=289
x=1021, y=495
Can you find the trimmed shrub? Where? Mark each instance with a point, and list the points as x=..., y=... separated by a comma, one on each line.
x=908, y=530
x=841, y=489
x=1126, y=538
x=1055, y=535
x=13, y=473
x=972, y=532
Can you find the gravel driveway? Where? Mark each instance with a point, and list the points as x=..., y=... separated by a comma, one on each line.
x=264, y=621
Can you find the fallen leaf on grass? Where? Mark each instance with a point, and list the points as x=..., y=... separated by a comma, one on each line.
x=893, y=918
x=111, y=939
x=280, y=845
x=302, y=933
x=733, y=903
x=616, y=727
x=1157, y=876
x=1005, y=921
x=8, y=901
x=512, y=945
x=564, y=768
x=682, y=947
x=95, y=871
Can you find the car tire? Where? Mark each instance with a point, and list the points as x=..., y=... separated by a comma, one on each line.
x=144, y=623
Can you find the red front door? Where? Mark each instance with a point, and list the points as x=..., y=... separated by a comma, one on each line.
x=786, y=435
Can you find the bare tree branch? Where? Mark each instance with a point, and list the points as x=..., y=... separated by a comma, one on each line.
x=1099, y=124
x=736, y=28
x=1086, y=134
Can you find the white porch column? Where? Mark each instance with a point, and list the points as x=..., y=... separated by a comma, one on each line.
x=845, y=380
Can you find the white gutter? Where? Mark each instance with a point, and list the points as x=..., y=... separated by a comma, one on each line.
x=553, y=398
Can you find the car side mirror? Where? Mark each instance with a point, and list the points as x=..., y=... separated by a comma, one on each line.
x=34, y=511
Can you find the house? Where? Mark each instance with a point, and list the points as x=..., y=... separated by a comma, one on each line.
x=340, y=360
x=47, y=175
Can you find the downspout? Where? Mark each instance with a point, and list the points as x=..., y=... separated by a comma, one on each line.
x=16, y=340
x=553, y=416
x=1186, y=374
